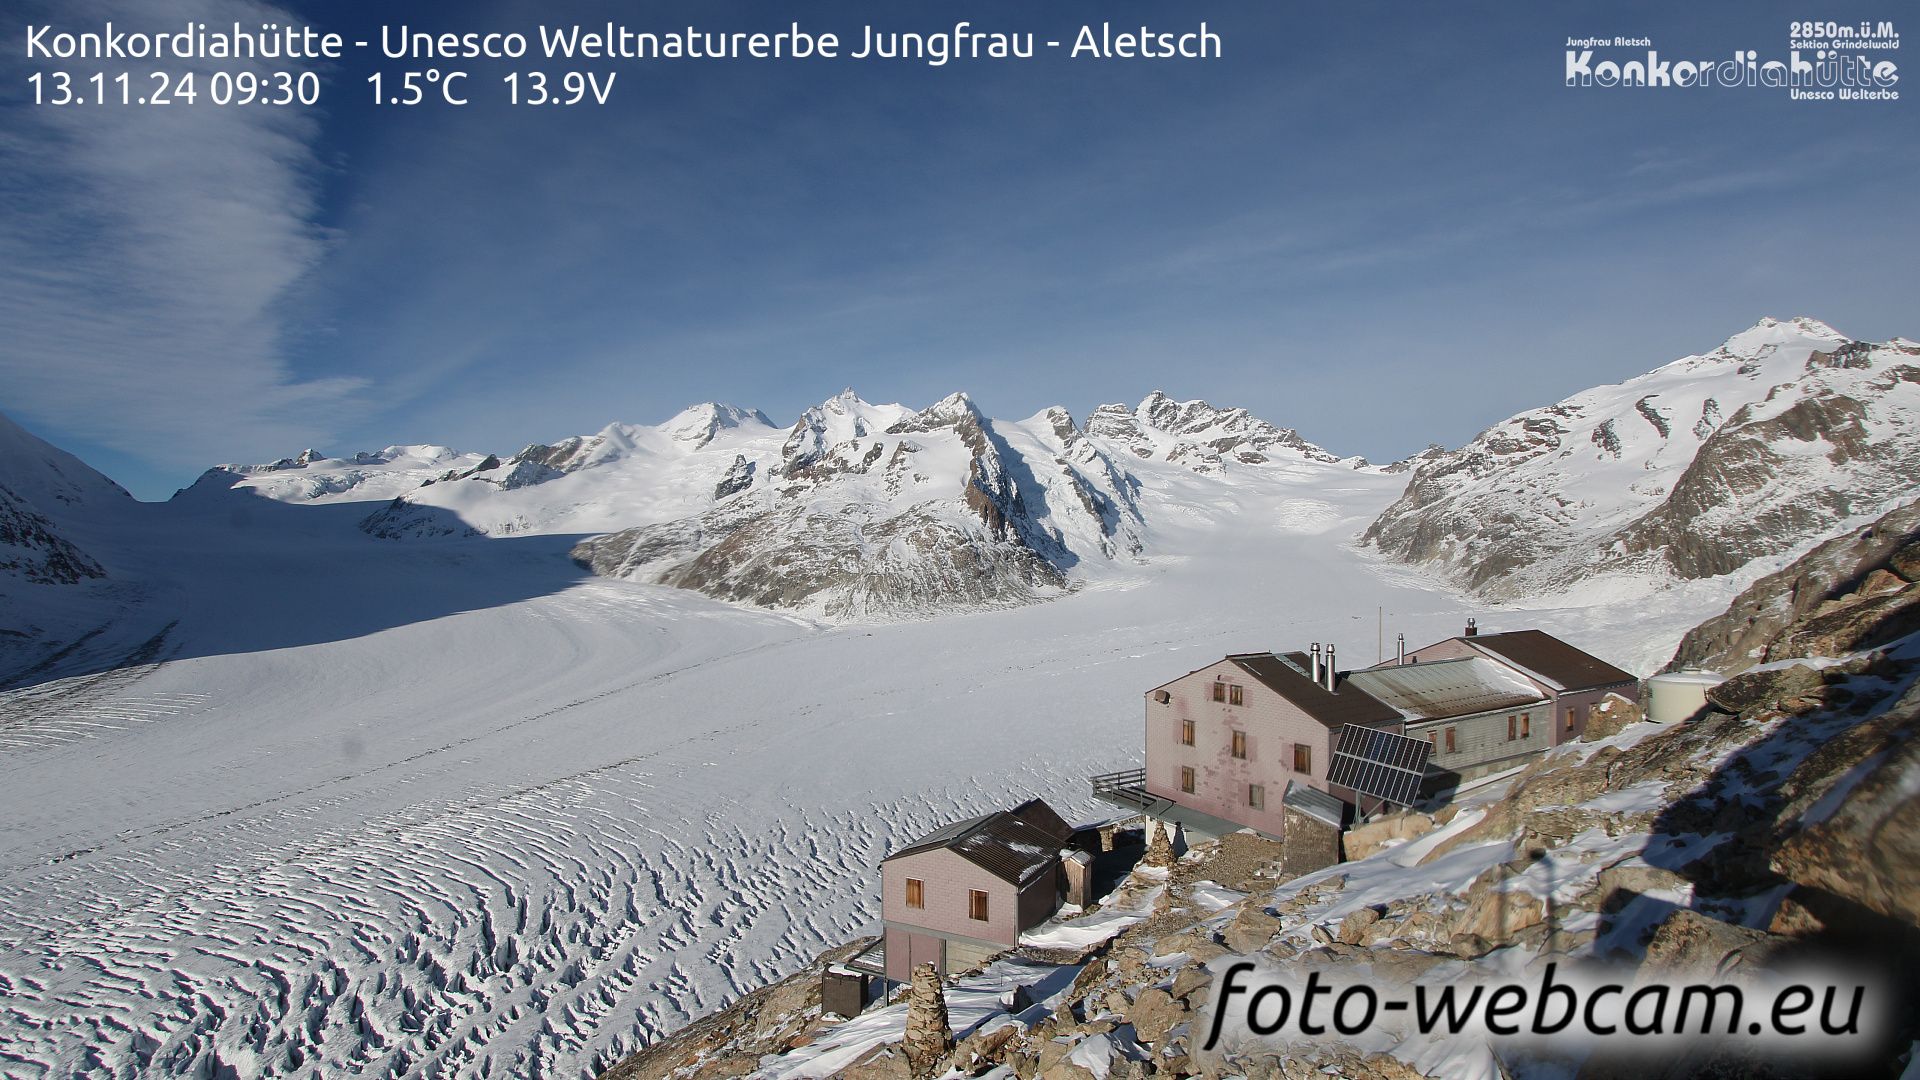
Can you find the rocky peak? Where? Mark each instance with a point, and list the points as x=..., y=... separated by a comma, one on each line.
x=698, y=425
x=1692, y=470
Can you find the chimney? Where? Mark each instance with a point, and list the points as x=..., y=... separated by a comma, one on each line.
x=1473, y=629
x=1315, y=652
x=1403, y=648
x=1330, y=672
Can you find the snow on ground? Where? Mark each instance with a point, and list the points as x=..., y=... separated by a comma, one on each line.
x=458, y=810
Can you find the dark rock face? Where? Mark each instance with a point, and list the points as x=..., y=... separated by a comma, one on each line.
x=32, y=548
x=1668, y=484
x=1827, y=602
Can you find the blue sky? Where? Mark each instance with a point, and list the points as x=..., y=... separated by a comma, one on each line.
x=1384, y=224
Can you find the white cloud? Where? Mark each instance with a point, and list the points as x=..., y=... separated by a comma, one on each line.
x=149, y=250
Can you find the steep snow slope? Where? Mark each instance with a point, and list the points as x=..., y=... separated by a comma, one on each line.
x=58, y=523
x=463, y=810
x=46, y=495
x=1696, y=470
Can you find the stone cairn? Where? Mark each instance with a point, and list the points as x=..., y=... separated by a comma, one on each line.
x=929, y=1035
x=1159, y=845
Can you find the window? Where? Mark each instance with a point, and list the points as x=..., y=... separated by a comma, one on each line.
x=1302, y=758
x=1513, y=727
x=1186, y=779
x=1526, y=726
x=977, y=905
x=1240, y=745
x=1433, y=741
x=1236, y=695
x=1219, y=691
x=1257, y=796
x=1186, y=733
x=1573, y=716
x=916, y=893
x=1450, y=743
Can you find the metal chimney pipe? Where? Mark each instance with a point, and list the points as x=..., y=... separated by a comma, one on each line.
x=1331, y=670
x=1316, y=661
x=1403, y=648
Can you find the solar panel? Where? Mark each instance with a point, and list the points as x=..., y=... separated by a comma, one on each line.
x=1379, y=763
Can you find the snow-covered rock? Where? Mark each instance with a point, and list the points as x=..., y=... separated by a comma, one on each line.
x=45, y=493
x=314, y=477
x=1699, y=469
x=1200, y=436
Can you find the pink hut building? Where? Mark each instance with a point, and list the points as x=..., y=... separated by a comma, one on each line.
x=1224, y=742
x=963, y=893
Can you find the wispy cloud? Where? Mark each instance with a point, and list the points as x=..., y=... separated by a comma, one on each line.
x=149, y=250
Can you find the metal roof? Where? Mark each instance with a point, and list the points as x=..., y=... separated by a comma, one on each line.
x=1314, y=803
x=1004, y=843
x=1554, y=661
x=1439, y=689
x=1286, y=675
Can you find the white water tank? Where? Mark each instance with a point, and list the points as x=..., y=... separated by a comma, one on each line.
x=1679, y=695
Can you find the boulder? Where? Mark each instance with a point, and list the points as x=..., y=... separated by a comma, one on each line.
x=1691, y=944
x=1189, y=982
x=1363, y=840
x=1154, y=1013
x=1250, y=931
x=1867, y=849
x=1354, y=928
x=1496, y=912
x=1754, y=688
x=1906, y=561
x=1610, y=717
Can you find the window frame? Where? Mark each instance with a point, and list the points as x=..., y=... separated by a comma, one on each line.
x=1188, y=780
x=978, y=908
x=1186, y=732
x=1257, y=796
x=1238, y=748
x=1452, y=742
x=1219, y=691
x=917, y=893
x=1303, y=756
x=1236, y=694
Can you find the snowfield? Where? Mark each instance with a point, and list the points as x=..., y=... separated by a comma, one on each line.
x=459, y=809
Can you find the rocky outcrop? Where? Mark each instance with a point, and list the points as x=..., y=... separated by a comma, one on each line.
x=1202, y=437
x=879, y=512
x=1853, y=591
x=1694, y=470
x=32, y=548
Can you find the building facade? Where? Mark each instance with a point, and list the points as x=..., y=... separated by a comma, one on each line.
x=1225, y=741
x=964, y=893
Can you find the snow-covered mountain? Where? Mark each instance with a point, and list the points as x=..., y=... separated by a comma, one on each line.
x=46, y=494
x=1738, y=458
x=311, y=476
x=856, y=510
x=1202, y=437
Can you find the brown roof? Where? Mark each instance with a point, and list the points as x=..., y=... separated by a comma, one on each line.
x=1287, y=676
x=1540, y=653
x=1004, y=843
x=1038, y=814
